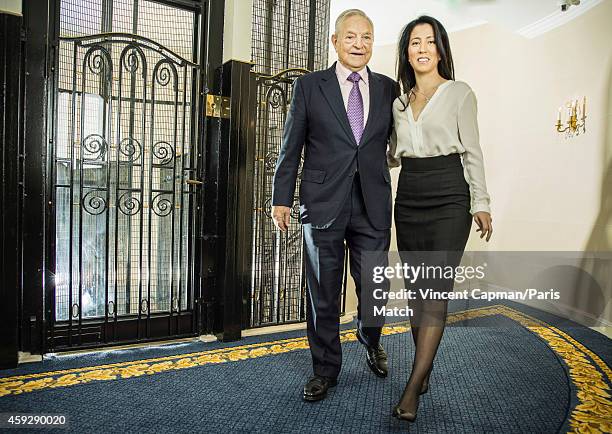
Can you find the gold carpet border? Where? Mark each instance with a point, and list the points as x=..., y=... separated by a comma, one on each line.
x=592, y=414
x=157, y=359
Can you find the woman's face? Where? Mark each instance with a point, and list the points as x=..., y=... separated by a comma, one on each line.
x=422, y=51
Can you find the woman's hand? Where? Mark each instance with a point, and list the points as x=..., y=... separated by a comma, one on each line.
x=485, y=227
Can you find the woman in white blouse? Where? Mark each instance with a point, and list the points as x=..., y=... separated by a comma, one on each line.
x=442, y=183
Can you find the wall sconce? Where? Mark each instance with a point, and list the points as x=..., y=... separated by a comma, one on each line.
x=574, y=113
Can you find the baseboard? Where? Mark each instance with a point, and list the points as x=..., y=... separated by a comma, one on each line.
x=344, y=319
x=559, y=309
x=28, y=358
x=152, y=344
x=606, y=331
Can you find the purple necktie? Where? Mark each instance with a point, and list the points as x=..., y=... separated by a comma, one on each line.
x=354, y=109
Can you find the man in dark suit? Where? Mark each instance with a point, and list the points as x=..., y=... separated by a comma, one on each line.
x=341, y=118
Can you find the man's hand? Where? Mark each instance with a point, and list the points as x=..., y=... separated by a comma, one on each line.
x=484, y=222
x=281, y=216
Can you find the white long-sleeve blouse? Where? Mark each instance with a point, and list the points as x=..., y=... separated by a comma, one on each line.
x=447, y=124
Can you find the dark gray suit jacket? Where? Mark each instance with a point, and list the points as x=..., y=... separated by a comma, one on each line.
x=317, y=122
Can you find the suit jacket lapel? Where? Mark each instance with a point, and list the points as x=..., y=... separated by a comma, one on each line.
x=376, y=94
x=331, y=91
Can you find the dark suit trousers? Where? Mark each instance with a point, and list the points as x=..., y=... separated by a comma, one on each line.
x=324, y=249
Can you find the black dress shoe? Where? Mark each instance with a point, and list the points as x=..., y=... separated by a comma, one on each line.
x=376, y=357
x=316, y=388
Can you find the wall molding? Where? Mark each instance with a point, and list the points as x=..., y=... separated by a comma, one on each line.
x=556, y=19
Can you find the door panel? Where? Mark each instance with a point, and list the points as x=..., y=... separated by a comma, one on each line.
x=124, y=152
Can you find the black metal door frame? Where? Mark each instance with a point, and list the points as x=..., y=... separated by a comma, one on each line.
x=11, y=194
x=38, y=254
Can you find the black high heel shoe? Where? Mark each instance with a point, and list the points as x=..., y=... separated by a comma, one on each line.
x=404, y=415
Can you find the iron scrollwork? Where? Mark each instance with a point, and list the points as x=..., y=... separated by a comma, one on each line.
x=295, y=210
x=96, y=145
x=270, y=162
x=276, y=97
x=130, y=148
x=131, y=58
x=164, y=72
x=267, y=208
x=93, y=203
x=164, y=153
x=128, y=204
x=161, y=206
x=98, y=60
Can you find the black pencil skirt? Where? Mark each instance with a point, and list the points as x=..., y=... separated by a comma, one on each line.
x=432, y=205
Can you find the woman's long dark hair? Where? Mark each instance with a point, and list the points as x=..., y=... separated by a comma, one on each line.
x=405, y=73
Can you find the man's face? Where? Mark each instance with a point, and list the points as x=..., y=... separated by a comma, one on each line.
x=353, y=42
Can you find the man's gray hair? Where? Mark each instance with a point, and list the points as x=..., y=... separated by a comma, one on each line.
x=351, y=13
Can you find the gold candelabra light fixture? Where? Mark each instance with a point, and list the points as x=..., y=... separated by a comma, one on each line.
x=576, y=119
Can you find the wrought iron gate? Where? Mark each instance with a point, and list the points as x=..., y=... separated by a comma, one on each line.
x=124, y=186
x=288, y=36
x=278, y=285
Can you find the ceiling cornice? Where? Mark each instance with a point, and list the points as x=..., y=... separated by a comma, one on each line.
x=556, y=19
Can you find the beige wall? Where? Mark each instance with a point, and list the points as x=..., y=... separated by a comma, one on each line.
x=237, y=30
x=548, y=193
x=10, y=6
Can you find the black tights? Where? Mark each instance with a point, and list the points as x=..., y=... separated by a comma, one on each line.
x=427, y=326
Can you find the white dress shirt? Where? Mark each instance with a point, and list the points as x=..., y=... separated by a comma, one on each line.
x=342, y=72
x=447, y=124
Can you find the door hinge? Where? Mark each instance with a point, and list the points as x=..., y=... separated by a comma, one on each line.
x=217, y=106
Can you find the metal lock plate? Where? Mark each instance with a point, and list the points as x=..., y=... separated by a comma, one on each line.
x=217, y=106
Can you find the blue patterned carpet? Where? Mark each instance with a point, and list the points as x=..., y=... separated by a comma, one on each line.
x=500, y=375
